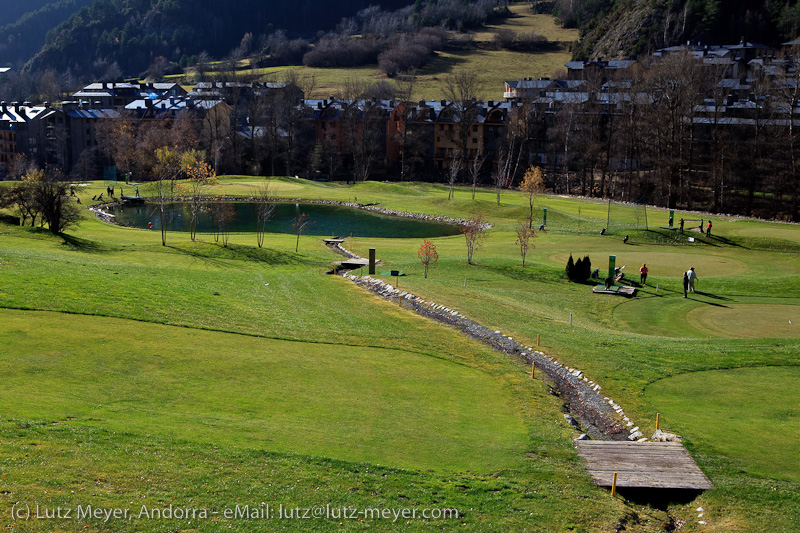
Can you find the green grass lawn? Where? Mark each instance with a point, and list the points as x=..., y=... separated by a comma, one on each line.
x=386, y=407
x=200, y=373
x=748, y=415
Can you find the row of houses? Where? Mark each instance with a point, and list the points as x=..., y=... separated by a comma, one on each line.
x=59, y=134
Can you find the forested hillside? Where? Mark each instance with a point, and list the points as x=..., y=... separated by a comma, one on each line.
x=11, y=10
x=20, y=39
x=134, y=33
x=627, y=28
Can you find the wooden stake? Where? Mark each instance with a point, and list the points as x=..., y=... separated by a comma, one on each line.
x=570, y=319
x=537, y=339
x=658, y=420
x=533, y=368
x=614, y=485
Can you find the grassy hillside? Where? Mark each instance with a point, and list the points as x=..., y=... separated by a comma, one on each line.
x=204, y=376
x=493, y=66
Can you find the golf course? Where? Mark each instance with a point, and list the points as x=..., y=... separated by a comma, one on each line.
x=198, y=375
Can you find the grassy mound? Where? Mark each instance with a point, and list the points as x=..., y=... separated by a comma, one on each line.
x=748, y=415
x=375, y=405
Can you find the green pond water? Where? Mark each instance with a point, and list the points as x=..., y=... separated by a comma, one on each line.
x=327, y=220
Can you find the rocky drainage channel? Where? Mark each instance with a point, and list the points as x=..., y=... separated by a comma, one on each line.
x=597, y=416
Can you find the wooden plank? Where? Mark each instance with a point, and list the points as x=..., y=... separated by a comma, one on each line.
x=642, y=464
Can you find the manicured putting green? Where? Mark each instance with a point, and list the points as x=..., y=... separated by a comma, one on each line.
x=768, y=232
x=748, y=415
x=748, y=320
x=354, y=403
x=274, y=185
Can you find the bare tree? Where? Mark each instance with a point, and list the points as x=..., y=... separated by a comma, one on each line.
x=265, y=207
x=474, y=231
x=475, y=167
x=404, y=110
x=200, y=177
x=363, y=128
x=300, y=223
x=524, y=235
x=532, y=184
x=222, y=214
x=462, y=89
x=788, y=94
x=453, y=170
x=166, y=169
x=293, y=125
x=673, y=84
x=503, y=174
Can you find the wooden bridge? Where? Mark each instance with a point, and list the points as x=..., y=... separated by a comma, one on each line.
x=661, y=465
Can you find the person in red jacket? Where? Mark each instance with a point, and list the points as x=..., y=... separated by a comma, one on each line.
x=643, y=274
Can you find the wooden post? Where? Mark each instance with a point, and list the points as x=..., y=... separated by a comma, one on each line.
x=570, y=319
x=537, y=339
x=614, y=485
x=658, y=420
x=533, y=368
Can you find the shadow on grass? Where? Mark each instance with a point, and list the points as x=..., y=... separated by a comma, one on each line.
x=714, y=296
x=725, y=241
x=215, y=253
x=529, y=273
x=443, y=65
x=77, y=244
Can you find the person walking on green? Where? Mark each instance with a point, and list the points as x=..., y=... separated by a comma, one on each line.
x=691, y=277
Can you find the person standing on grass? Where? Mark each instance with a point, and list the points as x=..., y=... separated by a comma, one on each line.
x=708, y=229
x=685, y=283
x=692, y=277
x=643, y=274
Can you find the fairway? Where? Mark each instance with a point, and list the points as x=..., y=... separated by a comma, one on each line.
x=386, y=407
x=749, y=415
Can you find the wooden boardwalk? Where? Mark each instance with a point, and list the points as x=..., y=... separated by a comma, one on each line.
x=662, y=465
x=354, y=262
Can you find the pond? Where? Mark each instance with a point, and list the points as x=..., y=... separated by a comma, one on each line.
x=328, y=220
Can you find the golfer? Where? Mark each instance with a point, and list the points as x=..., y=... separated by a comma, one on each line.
x=691, y=277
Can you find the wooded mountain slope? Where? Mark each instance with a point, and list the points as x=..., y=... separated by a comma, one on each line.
x=133, y=33
x=627, y=28
x=20, y=39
